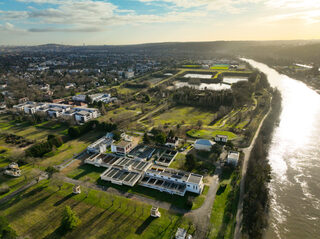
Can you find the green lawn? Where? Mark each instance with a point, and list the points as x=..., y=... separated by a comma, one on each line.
x=209, y=134
x=38, y=212
x=70, y=148
x=27, y=174
x=222, y=228
x=183, y=115
x=86, y=172
x=191, y=66
x=198, y=201
x=220, y=67
x=31, y=132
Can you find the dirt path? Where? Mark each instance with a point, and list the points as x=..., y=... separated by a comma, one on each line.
x=201, y=216
x=247, y=152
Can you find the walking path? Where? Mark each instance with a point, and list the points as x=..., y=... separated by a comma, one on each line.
x=247, y=152
x=23, y=188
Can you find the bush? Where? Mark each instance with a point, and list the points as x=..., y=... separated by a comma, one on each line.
x=51, y=170
x=4, y=188
x=6, y=232
x=55, y=140
x=74, y=132
x=38, y=150
x=69, y=220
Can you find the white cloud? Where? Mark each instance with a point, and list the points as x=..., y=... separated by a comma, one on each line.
x=89, y=15
x=8, y=27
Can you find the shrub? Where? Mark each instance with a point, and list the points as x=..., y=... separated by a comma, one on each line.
x=6, y=232
x=69, y=220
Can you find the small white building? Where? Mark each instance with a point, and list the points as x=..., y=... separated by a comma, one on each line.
x=221, y=138
x=233, y=158
x=203, y=144
x=100, y=146
x=80, y=98
x=129, y=74
x=122, y=147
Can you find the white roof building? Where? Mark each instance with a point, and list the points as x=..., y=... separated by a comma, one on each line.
x=203, y=144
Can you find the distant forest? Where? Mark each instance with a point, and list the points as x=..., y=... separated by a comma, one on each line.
x=282, y=51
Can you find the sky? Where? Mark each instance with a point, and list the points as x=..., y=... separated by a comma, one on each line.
x=97, y=22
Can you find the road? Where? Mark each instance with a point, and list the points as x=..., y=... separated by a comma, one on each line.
x=247, y=152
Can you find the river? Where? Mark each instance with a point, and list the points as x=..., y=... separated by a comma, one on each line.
x=294, y=156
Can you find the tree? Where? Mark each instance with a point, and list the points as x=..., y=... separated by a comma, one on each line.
x=190, y=162
x=116, y=135
x=146, y=138
x=69, y=220
x=216, y=148
x=160, y=138
x=74, y=132
x=6, y=232
x=199, y=123
x=171, y=134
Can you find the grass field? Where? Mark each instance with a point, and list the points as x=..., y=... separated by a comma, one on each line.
x=69, y=149
x=221, y=228
x=86, y=172
x=191, y=66
x=38, y=212
x=183, y=115
x=209, y=134
x=32, y=132
x=220, y=67
x=28, y=173
x=197, y=203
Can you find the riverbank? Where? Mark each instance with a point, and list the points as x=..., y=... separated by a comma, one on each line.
x=256, y=195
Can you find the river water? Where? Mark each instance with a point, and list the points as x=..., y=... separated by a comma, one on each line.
x=294, y=157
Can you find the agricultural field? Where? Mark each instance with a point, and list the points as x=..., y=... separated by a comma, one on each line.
x=37, y=213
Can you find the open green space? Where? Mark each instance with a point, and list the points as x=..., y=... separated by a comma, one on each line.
x=86, y=172
x=185, y=115
x=37, y=213
x=14, y=183
x=220, y=67
x=198, y=201
x=209, y=134
x=32, y=132
x=222, y=222
x=69, y=149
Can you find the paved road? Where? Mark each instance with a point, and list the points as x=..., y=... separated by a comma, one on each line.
x=247, y=152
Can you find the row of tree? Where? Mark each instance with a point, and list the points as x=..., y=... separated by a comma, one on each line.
x=40, y=149
x=76, y=131
x=256, y=198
